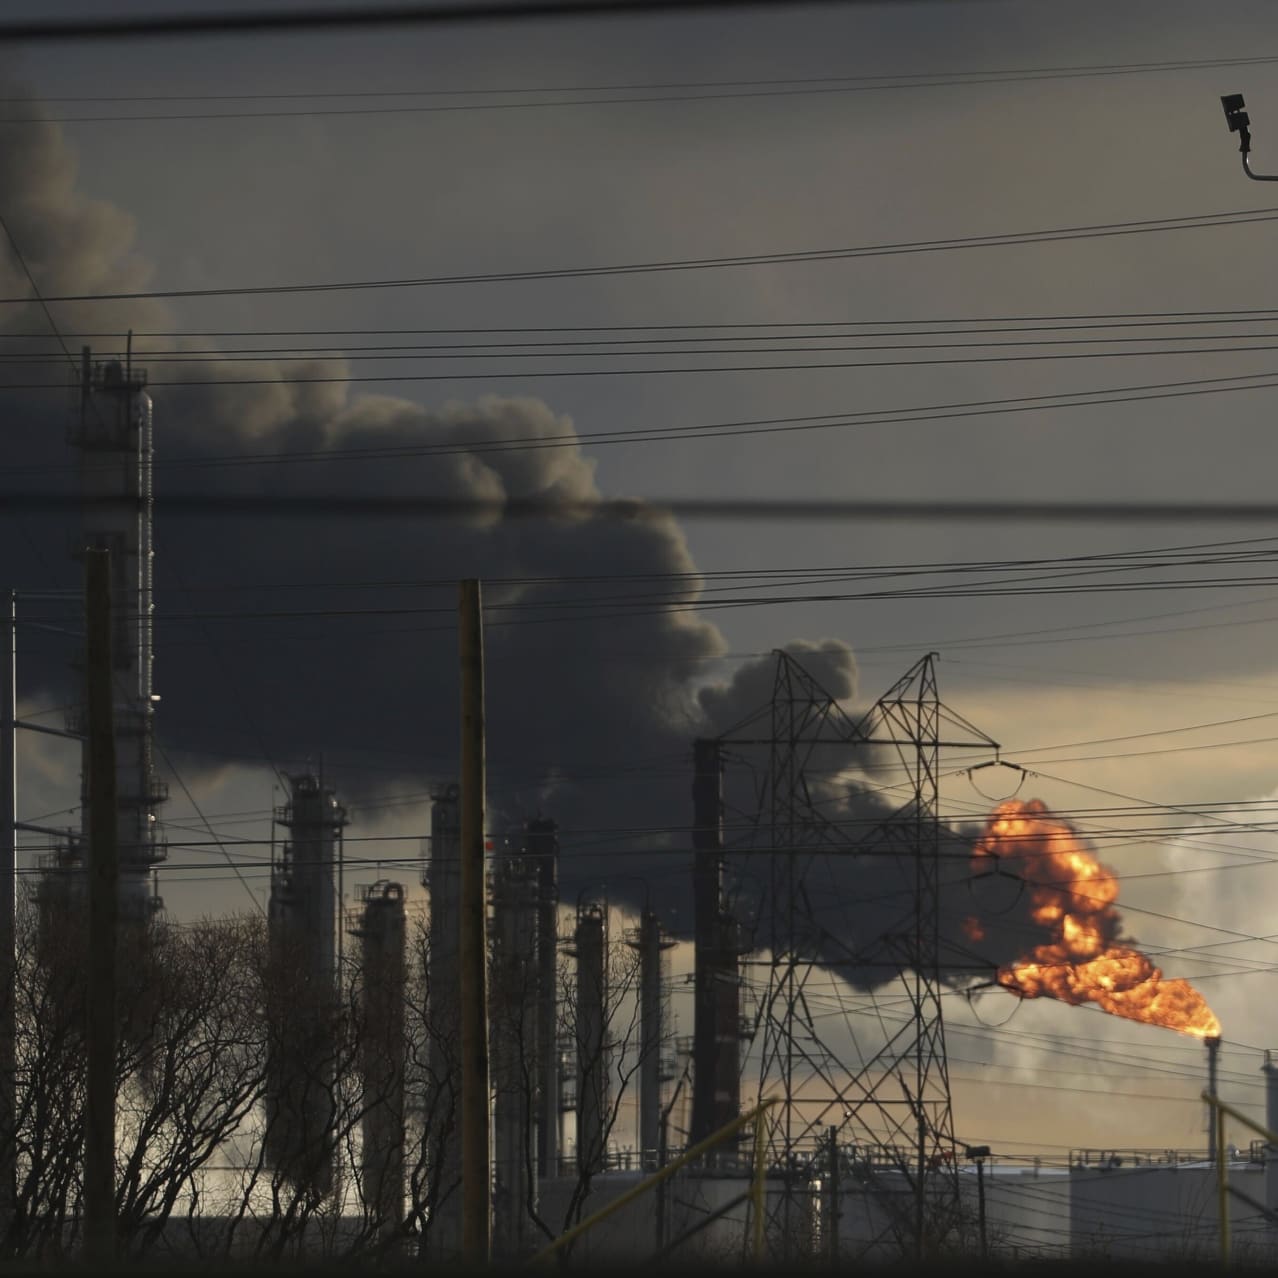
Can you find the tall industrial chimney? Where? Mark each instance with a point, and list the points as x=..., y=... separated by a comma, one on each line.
x=113, y=435
x=653, y=1032
x=442, y=879
x=716, y=1097
x=513, y=1037
x=1213, y=1060
x=541, y=843
x=302, y=922
x=590, y=948
x=1270, y=1071
x=380, y=926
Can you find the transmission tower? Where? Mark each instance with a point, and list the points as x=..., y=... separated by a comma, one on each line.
x=885, y=1112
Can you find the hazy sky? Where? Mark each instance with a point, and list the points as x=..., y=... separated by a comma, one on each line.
x=280, y=194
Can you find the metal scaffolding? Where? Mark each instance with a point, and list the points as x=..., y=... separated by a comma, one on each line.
x=888, y=1104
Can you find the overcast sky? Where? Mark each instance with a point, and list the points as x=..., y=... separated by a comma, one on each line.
x=280, y=194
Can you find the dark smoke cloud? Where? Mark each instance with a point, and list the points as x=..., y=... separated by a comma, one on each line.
x=594, y=695
x=853, y=816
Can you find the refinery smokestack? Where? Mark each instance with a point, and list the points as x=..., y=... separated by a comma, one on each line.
x=1213, y=1055
x=541, y=843
x=716, y=1023
x=113, y=435
x=590, y=949
x=442, y=879
x=380, y=927
x=512, y=1032
x=1270, y=1071
x=302, y=927
x=651, y=944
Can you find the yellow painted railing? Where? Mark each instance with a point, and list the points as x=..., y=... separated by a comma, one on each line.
x=1219, y=1110
x=757, y=1186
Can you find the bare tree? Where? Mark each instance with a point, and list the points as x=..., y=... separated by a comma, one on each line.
x=189, y=1070
x=432, y=1111
x=608, y=1053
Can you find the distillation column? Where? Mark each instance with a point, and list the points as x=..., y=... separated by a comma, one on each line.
x=590, y=949
x=716, y=1034
x=380, y=927
x=442, y=880
x=653, y=1033
x=302, y=921
x=541, y=843
x=513, y=1038
x=113, y=435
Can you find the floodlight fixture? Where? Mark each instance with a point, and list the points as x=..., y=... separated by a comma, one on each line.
x=1236, y=116
x=1240, y=122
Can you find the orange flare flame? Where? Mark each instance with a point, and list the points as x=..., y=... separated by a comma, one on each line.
x=1072, y=897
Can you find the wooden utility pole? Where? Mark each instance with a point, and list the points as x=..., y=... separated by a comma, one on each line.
x=472, y=947
x=104, y=874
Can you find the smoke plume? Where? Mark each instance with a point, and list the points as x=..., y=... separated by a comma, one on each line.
x=282, y=640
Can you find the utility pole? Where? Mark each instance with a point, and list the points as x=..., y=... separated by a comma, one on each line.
x=104, y=874
x=979, y=1153
x=8, y=939
x=472, y=946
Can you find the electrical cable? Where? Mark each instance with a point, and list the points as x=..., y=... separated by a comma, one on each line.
x=1099, y=230
x=706, y=90
x=371, y=16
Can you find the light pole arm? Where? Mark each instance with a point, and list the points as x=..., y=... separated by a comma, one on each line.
x=1240, y=123
x=1256, y=177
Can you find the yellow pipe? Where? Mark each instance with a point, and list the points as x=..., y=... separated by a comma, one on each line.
x=1219, y=1105
x=758, y=1190
x=654, y=1180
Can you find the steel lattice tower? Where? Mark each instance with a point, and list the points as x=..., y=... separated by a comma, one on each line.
x=890, y=1107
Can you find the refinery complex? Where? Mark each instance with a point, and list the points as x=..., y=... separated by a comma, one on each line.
x=594, y=1089
x=638, y=634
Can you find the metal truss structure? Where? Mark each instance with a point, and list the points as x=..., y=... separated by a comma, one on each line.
x=877, y=1119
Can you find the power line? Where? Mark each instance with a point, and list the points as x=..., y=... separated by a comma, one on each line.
x=288, y=505
x=854, y=419
x=1100, y=230
x=1037, y=323
x=835, y=83
x=474, y=12
x=423, y=352
x=641, y=605
x=529, y=375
